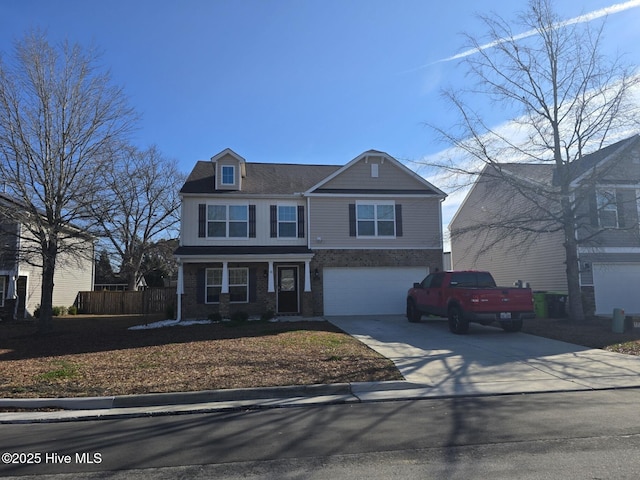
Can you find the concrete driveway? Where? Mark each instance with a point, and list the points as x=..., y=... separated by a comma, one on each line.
x=487, y=360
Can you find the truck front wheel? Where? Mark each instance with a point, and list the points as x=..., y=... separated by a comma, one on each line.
x=457, y=322
x=412, y=312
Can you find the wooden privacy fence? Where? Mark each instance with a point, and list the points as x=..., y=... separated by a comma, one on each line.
x=151, y=300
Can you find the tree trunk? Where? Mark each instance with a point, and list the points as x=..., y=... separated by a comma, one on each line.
x=45, y=322
x=576, y=310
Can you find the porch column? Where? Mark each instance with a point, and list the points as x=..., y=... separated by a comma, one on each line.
x=307, y=276
x=271, y=286
x=225, y=277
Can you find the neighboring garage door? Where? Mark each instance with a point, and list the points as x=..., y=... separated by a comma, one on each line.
x=616, y=286
x=366, y=291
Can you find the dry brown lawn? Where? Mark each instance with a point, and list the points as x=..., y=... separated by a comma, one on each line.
x=96, y=356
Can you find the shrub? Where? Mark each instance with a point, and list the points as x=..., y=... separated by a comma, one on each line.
x=58, y=311
x=239, y=317
x=268, y=315
x=72, y=310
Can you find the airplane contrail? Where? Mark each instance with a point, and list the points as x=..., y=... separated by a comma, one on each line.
x=587, y=17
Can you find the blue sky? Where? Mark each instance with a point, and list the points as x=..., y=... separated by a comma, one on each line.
x=287, y=80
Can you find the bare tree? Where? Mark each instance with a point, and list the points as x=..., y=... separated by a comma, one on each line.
x=138, y=206
x=568, y=100
x=59, y=114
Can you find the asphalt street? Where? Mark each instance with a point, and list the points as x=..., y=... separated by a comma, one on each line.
x=567, y=435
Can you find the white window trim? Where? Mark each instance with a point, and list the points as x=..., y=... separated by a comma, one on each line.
x=233, y=174
x=227, y=221
x=610, y=207
x=3, y=290
x=375, y=203
x=206, y=285
x=295, y=216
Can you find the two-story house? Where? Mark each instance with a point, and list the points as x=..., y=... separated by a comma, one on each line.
x=605, y=189
x=305, y=239
x=21, y=277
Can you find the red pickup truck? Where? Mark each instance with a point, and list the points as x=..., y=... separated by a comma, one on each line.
x=469, y=296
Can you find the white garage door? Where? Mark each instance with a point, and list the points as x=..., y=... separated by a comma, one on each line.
x=367, y=291
x=617, y=286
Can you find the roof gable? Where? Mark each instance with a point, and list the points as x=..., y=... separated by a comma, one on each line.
x=374, y=172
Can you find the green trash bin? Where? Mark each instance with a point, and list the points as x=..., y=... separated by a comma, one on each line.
x=617, y=324
x=540, y=306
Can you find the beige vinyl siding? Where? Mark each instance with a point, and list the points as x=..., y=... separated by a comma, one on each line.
x=358, y=176
x=330, y=224
x=73, y=274
x=189, y=225
x=538, y=259
x=541, y=263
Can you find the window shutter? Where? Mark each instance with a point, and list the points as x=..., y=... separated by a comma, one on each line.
x=253, y=284
x=273, y=210
x=202, y=220
x=252, y=221
x=352, y=219
x=200, y=285
x=620, y=201
x=593, y=207
x=398, y=220
x=300, y=221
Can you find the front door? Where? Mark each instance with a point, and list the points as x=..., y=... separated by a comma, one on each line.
x=288, y=290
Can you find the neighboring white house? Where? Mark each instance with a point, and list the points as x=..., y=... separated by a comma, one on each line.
x=21, y=281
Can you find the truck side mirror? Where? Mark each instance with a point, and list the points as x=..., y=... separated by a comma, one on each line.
x=417, y=285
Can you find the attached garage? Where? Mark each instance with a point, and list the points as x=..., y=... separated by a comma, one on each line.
x=368, y=290
x=617, y=286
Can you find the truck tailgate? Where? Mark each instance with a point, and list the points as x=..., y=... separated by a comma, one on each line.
x=501, y=299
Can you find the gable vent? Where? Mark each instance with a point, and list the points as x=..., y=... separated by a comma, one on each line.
x=374, y=170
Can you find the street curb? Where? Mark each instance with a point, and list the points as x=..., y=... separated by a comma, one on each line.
x=178, y=398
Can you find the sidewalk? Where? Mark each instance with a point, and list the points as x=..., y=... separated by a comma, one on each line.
x=434, y=362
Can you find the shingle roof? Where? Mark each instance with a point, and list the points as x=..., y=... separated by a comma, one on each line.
x=547, y=172
x=262, y=178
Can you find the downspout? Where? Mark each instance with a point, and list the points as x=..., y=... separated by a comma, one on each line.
x=179, y=291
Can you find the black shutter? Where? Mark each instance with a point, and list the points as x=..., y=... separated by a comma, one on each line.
x=202, y=220
x=620, y=202
x=200, y=285
x=252, y=221
x=273, y=211
x=398, y=220
x=300, y=221
x=593, y=207
x=352, y=219
x=253, y=285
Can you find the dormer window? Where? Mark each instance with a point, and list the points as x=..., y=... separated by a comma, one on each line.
x=228, y=175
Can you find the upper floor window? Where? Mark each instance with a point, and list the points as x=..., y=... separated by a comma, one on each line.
x=227, y=221
x=375, y=219
x=228, y=175
x=287, y=221
x=607, y=208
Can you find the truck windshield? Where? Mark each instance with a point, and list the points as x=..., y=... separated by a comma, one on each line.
x=472, y=280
